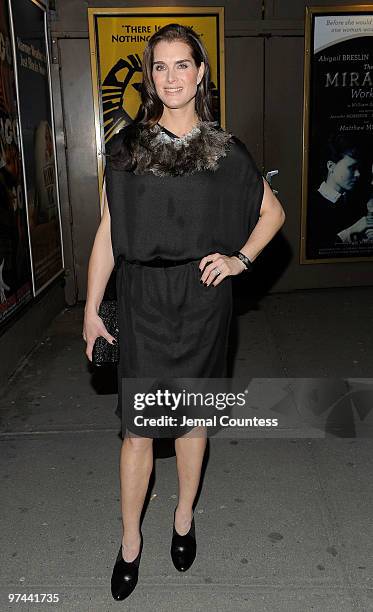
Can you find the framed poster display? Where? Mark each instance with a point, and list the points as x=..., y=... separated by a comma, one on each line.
x=337, y=174
x=31, y=56
x=118, y=37
x=15, y=270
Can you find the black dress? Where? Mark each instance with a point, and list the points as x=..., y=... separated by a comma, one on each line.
x=170, y=324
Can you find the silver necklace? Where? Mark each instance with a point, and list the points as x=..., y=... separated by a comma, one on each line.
x=177, y=141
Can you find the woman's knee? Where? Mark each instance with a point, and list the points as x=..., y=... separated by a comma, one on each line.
x=137, y=443
x=200, y=431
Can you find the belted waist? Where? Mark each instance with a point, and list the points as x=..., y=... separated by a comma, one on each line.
x=159, y=262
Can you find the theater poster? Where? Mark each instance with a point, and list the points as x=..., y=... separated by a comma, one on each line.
x=38, y=142
x=15, y=271
x=337, y=187
x=118, y=37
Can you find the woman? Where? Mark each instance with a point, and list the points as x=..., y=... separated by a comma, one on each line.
x=182, y=196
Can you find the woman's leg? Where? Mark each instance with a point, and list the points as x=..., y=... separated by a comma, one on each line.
x=190, y=450
x=136, y=464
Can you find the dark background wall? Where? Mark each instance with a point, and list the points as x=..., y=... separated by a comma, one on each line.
x=264, y=43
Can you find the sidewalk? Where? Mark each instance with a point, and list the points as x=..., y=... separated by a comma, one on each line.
x=281, y=524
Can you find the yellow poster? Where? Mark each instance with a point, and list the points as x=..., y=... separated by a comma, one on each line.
x=118, y=38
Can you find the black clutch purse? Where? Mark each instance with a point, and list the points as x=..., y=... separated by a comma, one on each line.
x=105, y=353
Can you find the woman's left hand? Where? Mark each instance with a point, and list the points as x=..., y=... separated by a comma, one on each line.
x=227, y=266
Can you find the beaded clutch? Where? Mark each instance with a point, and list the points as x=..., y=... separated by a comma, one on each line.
x=105, y=353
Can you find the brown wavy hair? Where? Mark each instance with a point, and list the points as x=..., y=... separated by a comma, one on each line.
x=151, y=107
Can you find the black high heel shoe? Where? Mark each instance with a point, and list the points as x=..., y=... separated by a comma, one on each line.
x=125, y=575
x=183, y=548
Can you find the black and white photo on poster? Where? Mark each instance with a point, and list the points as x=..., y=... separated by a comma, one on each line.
x=337, y=208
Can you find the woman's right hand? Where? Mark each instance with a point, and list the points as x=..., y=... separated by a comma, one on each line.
x=93, y=327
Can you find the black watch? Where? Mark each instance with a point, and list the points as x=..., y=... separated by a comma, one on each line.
x=244, y=259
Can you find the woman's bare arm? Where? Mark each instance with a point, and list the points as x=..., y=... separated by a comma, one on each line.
x=272, y=218
x=100, y=267
x=101, y=261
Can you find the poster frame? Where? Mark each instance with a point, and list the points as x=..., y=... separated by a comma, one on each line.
x=43, y=7
x=310, y=13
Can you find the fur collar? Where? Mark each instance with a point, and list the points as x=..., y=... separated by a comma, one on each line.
x=200, y=149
